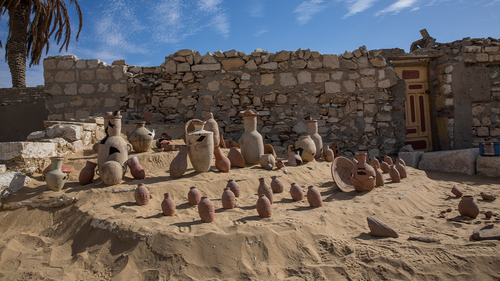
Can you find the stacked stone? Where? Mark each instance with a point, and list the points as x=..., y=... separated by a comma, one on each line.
x=9, y=96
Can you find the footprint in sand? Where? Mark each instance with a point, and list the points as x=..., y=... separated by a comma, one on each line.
x=184, y=229
x=10, y=265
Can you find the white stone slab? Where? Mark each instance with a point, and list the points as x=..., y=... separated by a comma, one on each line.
x=488, y=166
x=450, y=161
x=411, y=158
x=12, y=182
x=26, y=150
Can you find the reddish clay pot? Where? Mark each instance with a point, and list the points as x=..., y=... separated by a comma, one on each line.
x=236, y=158
x=375, y=163
x=336, y=150
x=380, y=229
x=228, y=199
x=265, y=189
x=457, y=192
x=363, y=175
x=296, y=192
x=279, y=164
x=395, y=176
x=314, y=197
x=388, y=160
x=401, y=161
x=234, y=187
x=401, y=169
x=468, y=206
x=264, y=207
x=141, y=195
x=64, y=169
x=212, y=126
x=87, y=173
x=379, y=179
x=206, y=210
x=168, y=205
x=136, y=169
x=179, y=164
x=276, y=185
x=194, y=196
x=222, y=163
x=385, y=167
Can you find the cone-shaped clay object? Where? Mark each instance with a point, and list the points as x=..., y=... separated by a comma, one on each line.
x=206, y=210
x=385, y=167
x=379, y=179
x=401, y=169
x=235, y=187
x=222, y=163
x=264, y=207
x=388, y=160
x=380, y=229
x=314, y=197
x=395, y=177
x=168, y=205
x=228, y=199
x=276, y=184
x=296, y=192
x=265, y=189
x=194, y=196
x=236, y=158
x=457, y=192
x=141, y=195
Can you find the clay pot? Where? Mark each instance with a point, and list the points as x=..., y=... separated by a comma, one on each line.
x=401, y=161
x=136, y=169
x=234, y=187
x=328, y=154
x=380, y=229
x=56, y=178
x=212, y=126
x=141, y=195
x=222, y=163
x=112, y=147
x=206, y=210
x=312, y=131
x=388, y=160
x=401, y=169
x=395, y=176
x=468, y=206
x=236, y=158
x=293, y=158
x=488, y=214
x=87, y=173
x=267, y=161
x=168, y=205
x=111, y=172
x=314, y=197
x=279, y=164
x=306, y=148
x=264, y=207
x=296, y=192
x=457, y=192
x=251, y=143
x=385, y=167
x=268, y=149
x=363, y=175
x=379, y=179
x=179, y=164
x=141, y=138
x=64, y=169
x=336, y=150
x=265, y=189
x=194, y=196
x=276, y=185
x=374, y=162
x=201, y=148
x=228, y=199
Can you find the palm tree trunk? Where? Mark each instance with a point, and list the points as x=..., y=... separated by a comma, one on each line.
x=16, y=45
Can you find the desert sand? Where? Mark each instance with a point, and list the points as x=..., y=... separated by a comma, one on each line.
x=104, y=235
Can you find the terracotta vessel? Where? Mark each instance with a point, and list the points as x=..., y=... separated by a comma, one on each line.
x=267, y=161
x=380, y=229
x=374, y=162
x=141, y=195
x=488, y=214
x=401, y=161
x=395, y=176
x=251, y=143
x=212, y=126
x=200, y=147
x=296, y=192
x=168, y=205
x=64, y=168
x=276, y=184
x=401, y=169
x=336, y=150
x=306, y=148
x=353, y=160
x=194, y=196
x=385, y=167
x=279, y=164
x=228, y=143
x=179, y=164
x=312, y=131
x=265, y=189
x=236, y=158
x=293, y=158
x=379, y=179
x=328, y=154
x=457, y=192
x=314, y=197
x=363, y=175
x=111, y=172
x=112, y=147
x=87, y=173
x=164, y=137
x=165, y=144
x=136, y=169
x=222, y=163
x=141, y=138
x=268, y=149
x=228, y=199
x=56, y=178
x=234, y=187
x=206, y=210
x=388, y=160
x=468, y=206
x=264, y=207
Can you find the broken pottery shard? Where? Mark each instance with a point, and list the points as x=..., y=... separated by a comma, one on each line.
x=426, y=239
x=488, y=197
x=380, y=229
x=486, y=233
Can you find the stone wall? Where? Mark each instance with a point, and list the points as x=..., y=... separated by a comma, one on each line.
x=10, y=96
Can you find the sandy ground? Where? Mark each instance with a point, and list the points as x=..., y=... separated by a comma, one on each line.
x=106, y=236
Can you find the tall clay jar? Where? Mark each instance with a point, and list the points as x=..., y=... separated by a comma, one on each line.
x=194, y=196
x=222, y=163
x=251, y=143
x=307, y=148
x=234, y=187
x=200, y=144
x=379, y=178
x=141, y=138
x=312, y=130
x=265, y=189
x=206, y=210
x=56, y=178
x=87, y=173
x=276, y=184
x=213, y=127
x=296, y=192
x=141, y=195
x=264, y=207
x=168, y=205
x=136, y=169
x=179, y=164
x=314, y=197
x=363, y=175
x=468, y=206
x=228, y=199
x=112, y=147
x=395, y=176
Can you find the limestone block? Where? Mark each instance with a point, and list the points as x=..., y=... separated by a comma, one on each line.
x=495, y=132
x=337, y=75
x=349, y=64
x=118, y=71
x=300, y=128
x=314, y=64
x=87, y=75
x=245, y=84
x=65, y=64
x=206, y=100
x=246, y=76
x=70, y=89
x=321, y=77
x=208, y=59
x=362, y=62
x=287, y=79
x=230, y=84
x=37, y=135
x=183, y=67
x=89, y=126
x=65, y=76
x=3, y=168
x=103, y=74
x=269, y=65
x=170, y=67
x=483, y=131
x=304, y=77
x=488, y=166
x=368, y=82
x=205, y=67
x=349, y=85
x=331, y=61
x=411, y=158
x=94, y=63
x=109, y=102
x=76, y=146
x=232, y=63
x=386, y=83
x=167, y=86
x=332, y=87
x=86, y=89
x=23, y=150
x=267, y=79
x=281, y=99
x=49, y=64
x=213, y=86
x=251, y=65
x=450, y=161
x=67, y=132
x=298, y=64
x=185, y=52
x=378, y=62
x=231, y=54
x=282, y=56
x=189, y=101
x=12, y=182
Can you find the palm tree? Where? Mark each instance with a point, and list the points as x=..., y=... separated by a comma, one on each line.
x=31, y=25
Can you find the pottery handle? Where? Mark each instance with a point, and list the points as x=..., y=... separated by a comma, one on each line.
x=129, y=147
x=97, y=171
x=66, y=177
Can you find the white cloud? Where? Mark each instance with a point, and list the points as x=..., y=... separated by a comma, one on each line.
x=397, y=7
x=307, y=9
x=357, y=6
x=259, y=33
x=257, y=8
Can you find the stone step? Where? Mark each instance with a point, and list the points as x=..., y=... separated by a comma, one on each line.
x=450, y=161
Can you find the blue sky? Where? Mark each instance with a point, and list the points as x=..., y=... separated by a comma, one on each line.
x=143, y=32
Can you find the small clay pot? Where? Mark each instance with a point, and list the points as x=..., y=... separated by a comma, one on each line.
x=468, y=206
x=385, y=167
x=266, y=161
x=279, y=164
x=111, y=172
x=234, y=187
x=222, y=163
x=194, y=196
x=457, y=192
x=395, y=177
x=264, y=207
x=136, y=169
x=87, y=173
x=206, y=210
x=276, y=184
x=401, y=169
x=328, y=154
x=168, y=205
x=228, y=199
x=488, y=214
x=179, y=164
x=314, y=197
x=375, y=163
x=296, y=192
x=236, y=158
x=141, y=195
x=379, y=178
x=388, y=160
x=265, y=189
x=400, y=160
